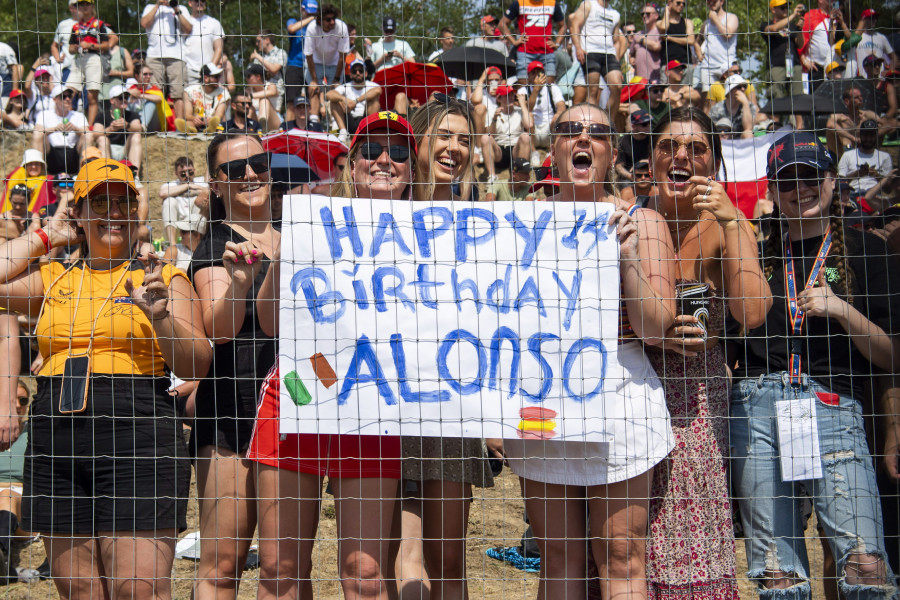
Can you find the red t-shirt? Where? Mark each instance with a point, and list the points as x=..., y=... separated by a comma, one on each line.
x=535, y=19
x=93, y=32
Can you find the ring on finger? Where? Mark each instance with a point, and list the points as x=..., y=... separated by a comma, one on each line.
x=708, y=190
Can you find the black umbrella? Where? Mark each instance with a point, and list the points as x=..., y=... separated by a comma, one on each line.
x=469, y=62
x=291, y=170
x=789, y=105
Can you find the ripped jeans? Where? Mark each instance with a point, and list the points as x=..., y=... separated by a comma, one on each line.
x=846, y=499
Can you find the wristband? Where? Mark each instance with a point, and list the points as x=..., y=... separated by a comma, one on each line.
x=45, y=239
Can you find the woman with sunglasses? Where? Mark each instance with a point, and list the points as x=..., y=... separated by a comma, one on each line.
x=834, y=323
x=228, y=268
x=439, y=472
x=363, y=470
x=691, y=545
x=105, y=468
x=571, y=488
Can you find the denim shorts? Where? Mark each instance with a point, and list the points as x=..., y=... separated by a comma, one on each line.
x=846, y=499
x=523, y=59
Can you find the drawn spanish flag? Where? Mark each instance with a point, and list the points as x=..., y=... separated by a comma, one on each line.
x=537, y=423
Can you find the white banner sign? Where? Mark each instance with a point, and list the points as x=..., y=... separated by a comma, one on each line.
x=448, y=318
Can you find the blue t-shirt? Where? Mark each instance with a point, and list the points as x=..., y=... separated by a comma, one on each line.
x=295, y=52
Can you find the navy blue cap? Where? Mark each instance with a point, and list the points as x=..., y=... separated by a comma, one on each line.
x=798, y=148
x=640, y=117
x=388, y=24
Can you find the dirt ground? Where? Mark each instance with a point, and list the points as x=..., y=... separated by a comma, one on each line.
x=496, y=515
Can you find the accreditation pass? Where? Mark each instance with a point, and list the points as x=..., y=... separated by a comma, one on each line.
x=798, y=439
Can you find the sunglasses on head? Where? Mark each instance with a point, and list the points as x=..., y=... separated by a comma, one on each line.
x=790, y=180
x=597, y=131
x=671, y=147
x=373, y=151
x=128, y=205
x=236, y=170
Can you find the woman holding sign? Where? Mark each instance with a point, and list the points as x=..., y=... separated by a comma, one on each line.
x=796, y=419
x=363, y=470
x=574, y=487
x=228, y=268
x=718, y=269
x=107, y=475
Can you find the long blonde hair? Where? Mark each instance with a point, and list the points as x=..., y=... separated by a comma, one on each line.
x=425, y=123
x=343, y=186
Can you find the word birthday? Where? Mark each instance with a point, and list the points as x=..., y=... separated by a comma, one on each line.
x=447, y=319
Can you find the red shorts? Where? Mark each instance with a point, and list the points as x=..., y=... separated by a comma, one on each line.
x=337, y=456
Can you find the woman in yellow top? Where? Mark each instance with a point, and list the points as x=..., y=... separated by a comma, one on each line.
x=106, y=471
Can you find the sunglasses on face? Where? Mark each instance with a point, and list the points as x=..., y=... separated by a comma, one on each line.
x=670, y=147
x=127, y=205
x=65, y=184
x=357, y=70
x=67, y=95
x=187, y=173
x=330, y=20
x=236, y=170
x=645, y=175
x=790, y=180
x=597, y=131
x=374, y=150
x=656, y=90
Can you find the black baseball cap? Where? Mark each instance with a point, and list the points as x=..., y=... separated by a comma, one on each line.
x=255, y=69
x=640, y=117
x=521, y=165
x=388, y=24
x=870, y=124
x=798, y=148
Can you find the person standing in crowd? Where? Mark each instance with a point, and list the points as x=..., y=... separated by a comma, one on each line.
x=507, y=136
x=203, y=45
x=536, y=40
x=816, y=52
x=645, y=45
x=264, y=96
x=720, y=44
x=447, y=40
x=59, y=47
x=205, y=103
x=166, y=29
x=544, y=99
x=59, y=133
x=354, y=101
x=873, y=43
x=90, y=39
x=691, y=546
x=677, y=93
x=117, y=132
x=389, y=51
x=10, y=69
x=272, y=58
x=832, y=326
x=572, y=488
x=784, y=36
x=117, y=69
x=677, y=33
x=228, y=268
x=634, y=146
x=444, y=469
x=489, y=37
x=120, y=489
x=597, y=40
x=294, y=81
x=326, y=46
x=363, y=470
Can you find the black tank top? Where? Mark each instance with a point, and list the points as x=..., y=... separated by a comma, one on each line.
x=671, y=50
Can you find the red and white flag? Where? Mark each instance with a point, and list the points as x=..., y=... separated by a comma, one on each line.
x=744, y=169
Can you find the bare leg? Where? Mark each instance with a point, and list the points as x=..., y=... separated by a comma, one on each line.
x=139, y=563
x=226, y=492
x=410, y=581
x=614, y=81
x=93, y=106
x=401, y=104
x=76, y=566
x=580, y=94
x=10, y=361
x=445, y=519
x=593, y=81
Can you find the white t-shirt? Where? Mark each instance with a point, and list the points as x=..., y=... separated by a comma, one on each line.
x=49, y=119
x=198, y=46
x=545, y=105
x=61, y=37
x=275, y=56
x=7, y=60
x=879, y=166
x=208, y=102
x=183, y=257
x=491, y=103
x=381, y=47
x=872, y=44
x=176, y=209
x=719, y=53
x=820, y=51
x=597, y=32
x=38, y=102
x=509, y=127
x=165, y=39
x=348, y=90
x=326, y=47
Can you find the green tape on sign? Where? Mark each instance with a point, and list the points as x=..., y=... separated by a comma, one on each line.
x=296, y=389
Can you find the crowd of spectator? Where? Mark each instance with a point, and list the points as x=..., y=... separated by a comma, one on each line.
x=573, y=107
